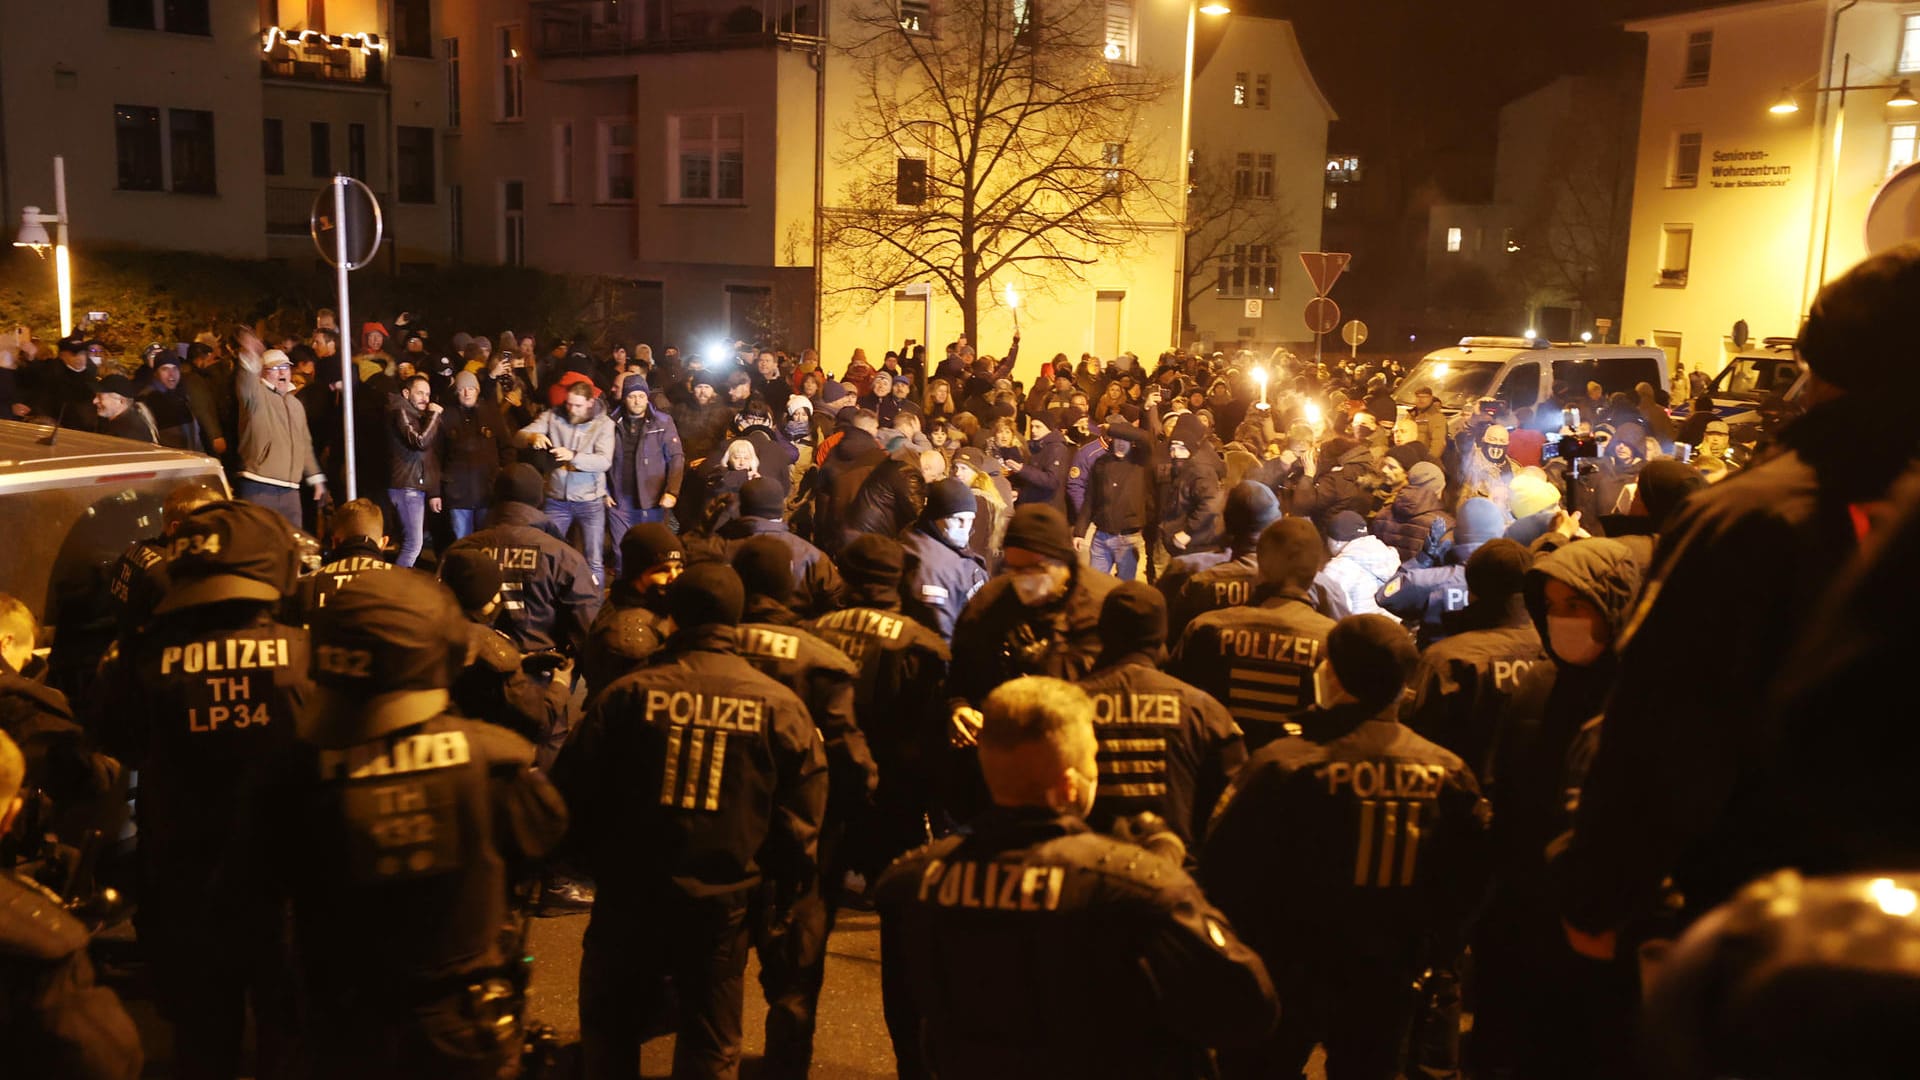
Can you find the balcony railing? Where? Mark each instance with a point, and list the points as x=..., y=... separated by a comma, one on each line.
x=290, y=209
x=565, y=28
x=320, y=59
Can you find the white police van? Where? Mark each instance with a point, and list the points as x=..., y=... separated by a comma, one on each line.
x=1522, y=372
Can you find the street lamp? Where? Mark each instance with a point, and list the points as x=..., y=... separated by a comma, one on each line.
x=33, y=234
x=1205, y=7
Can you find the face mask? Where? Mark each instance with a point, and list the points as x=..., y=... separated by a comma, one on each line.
x=958, y=531
x=1573, y=640
x=1327, y=690
x=1035, y=587
x=1495, y=452
x=798, y=429
x=1121, y=448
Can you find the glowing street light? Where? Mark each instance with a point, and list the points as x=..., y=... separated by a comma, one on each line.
x=1215, y=9
x=1586, y=336
x=1531, y=334
x=33, y=234
x=1785, y=106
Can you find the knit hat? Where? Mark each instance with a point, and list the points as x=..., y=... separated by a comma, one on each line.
x=761, y=497
x=1043, y=530
x=872, y=559
x=1498, y=570
x=1251, y=507
x=976, y=459
x=1427, y=475
x=115, y=383
x=1530, y=494
x=1346, y=525
x=1860, y=335
x=472, y=575
x=1664, y=484
x=1372, y=656
x=765, y=567
x=1480, y=521
x=948, y=497
x=466, y=380
x=647, y=546
x=1291, y=552
x=519, y=483
x=1189, y=431
x=708, y=593
x=1133, y=618
x=633, y=384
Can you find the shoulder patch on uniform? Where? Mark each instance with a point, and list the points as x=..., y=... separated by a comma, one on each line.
x=1215, y=933
x=1074, y=472
x=1393, y=586
x=933, y=592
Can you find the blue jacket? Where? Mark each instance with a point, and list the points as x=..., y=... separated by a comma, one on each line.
x=1044, y=478
x=1077, y=474
x=939, y=580
x=647, y=461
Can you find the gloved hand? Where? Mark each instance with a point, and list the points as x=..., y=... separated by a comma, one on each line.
x=1436, y=546
x=1151, y=831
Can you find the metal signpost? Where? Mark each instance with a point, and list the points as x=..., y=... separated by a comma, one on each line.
x=346, y=227
x=1355, y=335
x=1323, y=269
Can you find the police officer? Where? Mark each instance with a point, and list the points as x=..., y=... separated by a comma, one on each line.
x=1433, y=583
x=496, y=682
x=633, y=623
x=1165, y=747
x=817, y=586
x=140, y=576
x=357, y=543
x=1348, y=855
x=209, y=689
x=691, y=781
x=394, y=826
x=1029, y=945
x=54, y=1022
x=548, y=593
x=899, y=698
x=1210, y=580
x=1464, y=682
x=1259, y=660
x=791, y=924
x=943, y=571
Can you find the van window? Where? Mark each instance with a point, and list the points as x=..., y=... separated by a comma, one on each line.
x=1521, y=388
x=1456, y=383
x=1615, y=374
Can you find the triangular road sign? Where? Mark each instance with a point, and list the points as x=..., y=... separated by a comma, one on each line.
x=1324, y=268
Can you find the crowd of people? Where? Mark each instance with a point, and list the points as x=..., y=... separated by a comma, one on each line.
x=1174, y=718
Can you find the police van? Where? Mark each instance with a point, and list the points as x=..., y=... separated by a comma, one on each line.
x=1522, y=372
x=1757, y=391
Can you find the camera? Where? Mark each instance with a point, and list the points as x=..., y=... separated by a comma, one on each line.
x=1573, y=447
x=1683, y=452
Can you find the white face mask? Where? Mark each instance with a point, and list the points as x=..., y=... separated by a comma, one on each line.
x=1327, y=691
x=1573, y=640
x=1036, y=587
x=958, y=529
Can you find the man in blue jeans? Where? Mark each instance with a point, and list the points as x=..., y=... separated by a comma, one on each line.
x=582, y=442
x=413, y=455
x=1118, y=504
x=648, y=464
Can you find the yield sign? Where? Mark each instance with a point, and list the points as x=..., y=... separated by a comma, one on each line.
x=1324, y=268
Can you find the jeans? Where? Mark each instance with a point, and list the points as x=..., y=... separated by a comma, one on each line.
x=284, y=501
x=410, y=506
x=466, y=519
x=620, y=519
x=1119, y=554
x=591, y=516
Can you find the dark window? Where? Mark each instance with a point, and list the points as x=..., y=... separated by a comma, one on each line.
x=413, y=28
x=190, y=132
x=357, y=151
x=187, y=16
x=457, y=223
x=131, y=14
x=910, y=182
x=415, y=165
x=137, y=140
x=320, y=148
x=1521, y=388
x=1699, y=58
x=274, y=138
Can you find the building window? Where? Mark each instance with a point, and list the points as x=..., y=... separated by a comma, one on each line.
x=136, y=134
x=413, y=28
x=511, y=102
x=190, y=138
x=1239, y=89
x=173, y=16
x=1699, y=58
x=320, y=148
x=1112, y=155
x=563, y=161
x=1901, y=146
x=1262, y=90
x=357, y=151
x=273, y=139
x=414, y=164
x=1685, y=172
x=1343, y=170
x=916, y=16
x=707, y=153
x=749, y=310
x=513, y=222
x=451, y=47
x=1263, y=177
x=1909, y=43
x=1242, y=175
x=1119, y=48
x=617, y=161
x=910, y=181
x=1249, y=270
x=1454, y=236
x=1333, y=200
x=457, y=223
x=1023, y=19
x=1676, y=255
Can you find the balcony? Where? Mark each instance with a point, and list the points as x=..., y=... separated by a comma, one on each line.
x=580, y=28
x=290, y=209
x=311, y=56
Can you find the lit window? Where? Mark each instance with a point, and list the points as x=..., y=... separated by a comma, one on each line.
x=707, y=157
x=1453, y=239
x=1262, y=90
x=916, y=16
x=1240, y=90
x=1119, y=47
x=511, y=102
x=1333, y=200
x=563, y=161
x=1909, y=43
x=617, y=162
x=1686, y=161
x=1699, y=58
x=1676, y=255
x=1901, y=146
x=1111, y=155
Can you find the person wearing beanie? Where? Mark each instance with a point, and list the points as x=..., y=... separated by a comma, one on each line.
x=633, y=624
x=817, y=587
x=1258, y=660
x=1347, y=480
x=1208, y=580
x=1118, y=505
x=648, y=464
x=1407, y=523
x=1042, y=477
x=943, y=571
x=423, y=911
x=1346, y=884
x=475, y=444
x=695, y=781
x=1180, y=773
x=495, y=683
x=1187, y=492
x=1361, y=562
x=1434, y=581
x=548, y=595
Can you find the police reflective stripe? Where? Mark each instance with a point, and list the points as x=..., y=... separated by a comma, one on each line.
x=1412, y=845
x=1363, y=854
x=1265, y=691
x=694, y=749
x=1133, y=790
x=670, y=774
x=1131, y=766
x=1391, y=831
x=1380, y=871
x=716, y=769
x=1133, y=746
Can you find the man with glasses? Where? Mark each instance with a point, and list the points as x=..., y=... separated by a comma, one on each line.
x=276, y=453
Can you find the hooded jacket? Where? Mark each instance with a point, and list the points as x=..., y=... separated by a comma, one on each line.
x=940, y=578
x=1346, y=484
x=1464, y=683
x=1119, y=491
x=1360, y=569
x=1189, y=492
x=1408, y=520
x=547, y=595
x=853, y=457
x=817, y=585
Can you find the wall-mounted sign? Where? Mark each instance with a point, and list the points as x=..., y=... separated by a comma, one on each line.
x=1748, y=169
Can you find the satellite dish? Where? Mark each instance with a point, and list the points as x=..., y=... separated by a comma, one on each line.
x=1894, y=218
x=1740, y=334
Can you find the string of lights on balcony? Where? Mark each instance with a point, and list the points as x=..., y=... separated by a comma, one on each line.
x=273, y=35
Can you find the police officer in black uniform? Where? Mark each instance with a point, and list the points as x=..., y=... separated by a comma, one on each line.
x=1210, y=580
x=1027, y=945
x=211, y=687
x=496, y=682
x=54, y=1023
x=394, y=826
x=633, y=623
x=1259, y=660
x=691, y=781
x=1464, y=681
x=943, y=571
x=1349, y=855
x=1165, y=747
x=140, y=576
x=357, y=544
x=549, y=598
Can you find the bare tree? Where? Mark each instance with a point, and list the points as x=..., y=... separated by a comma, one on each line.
x=1225, y=210
x=1027, y=140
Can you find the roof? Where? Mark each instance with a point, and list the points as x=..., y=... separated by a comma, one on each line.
x=1715, y=11
x=1288, y=45
x=28, y=459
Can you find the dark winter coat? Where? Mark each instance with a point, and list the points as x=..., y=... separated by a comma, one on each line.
x=1408, y=521
x=474, y=445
